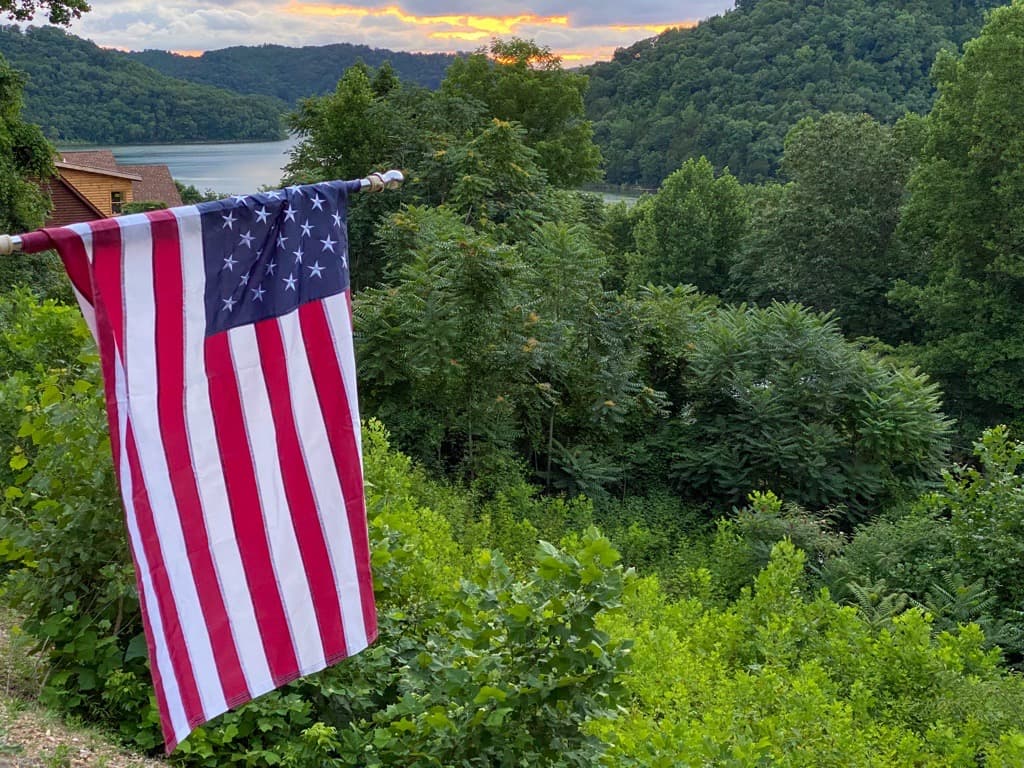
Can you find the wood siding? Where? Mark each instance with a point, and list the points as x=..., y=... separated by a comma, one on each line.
x=97, y=187
x=68, y=208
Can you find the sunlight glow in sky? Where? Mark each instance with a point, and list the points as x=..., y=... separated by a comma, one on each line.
x=579, y=31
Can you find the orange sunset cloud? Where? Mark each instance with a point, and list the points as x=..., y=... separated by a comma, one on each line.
x=463, y=28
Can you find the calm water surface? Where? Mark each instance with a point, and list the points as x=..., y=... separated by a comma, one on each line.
x=228, y=169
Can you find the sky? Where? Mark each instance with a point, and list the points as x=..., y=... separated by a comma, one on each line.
x=578, y=30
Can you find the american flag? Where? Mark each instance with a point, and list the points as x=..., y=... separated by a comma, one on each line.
x=225, y=337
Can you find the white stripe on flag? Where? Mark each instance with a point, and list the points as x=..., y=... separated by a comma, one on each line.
x=206, y=463
x=323, y=475
x=140, y=297
x=274, y=508
x=162, y=662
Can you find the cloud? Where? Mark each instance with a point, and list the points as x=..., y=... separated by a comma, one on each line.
x=580, y=31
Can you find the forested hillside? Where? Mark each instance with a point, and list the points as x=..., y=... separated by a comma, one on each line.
x=76, y=91
x=730, y=88
x=312, y=70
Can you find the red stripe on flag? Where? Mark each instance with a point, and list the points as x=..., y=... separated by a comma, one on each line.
x=170, y=366
x=106, y=272
x=107, y=280
x=246, y=512
x=72, y=252
x=330, y=389
x=299, y=492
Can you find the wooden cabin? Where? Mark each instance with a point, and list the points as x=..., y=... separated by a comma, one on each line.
x=91, y=185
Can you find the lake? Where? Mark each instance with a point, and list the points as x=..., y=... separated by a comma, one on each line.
x=227, y=169
x=239, y=169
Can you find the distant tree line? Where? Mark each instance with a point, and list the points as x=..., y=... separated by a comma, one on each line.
x=76, y=91
x=730, y=88
x=312, y=70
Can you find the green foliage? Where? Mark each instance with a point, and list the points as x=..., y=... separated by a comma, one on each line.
x=57, y=11
x=955, y=552
x=313, y=70
x=445, y=341
x=520, y=81
x=38, y=341
x=986, y=526
x=824, y=239
x=691, y=231
x=778, y=400
x=24, y=156
x=963, y=222
x=730, y=88
x=497, y=181
x=346, y=133
x=190, y=195
x=780, y=678
x=77, y=91
x=142, y=206
x=469, y=356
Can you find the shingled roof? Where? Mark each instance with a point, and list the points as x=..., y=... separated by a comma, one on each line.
x=156, y=184
x=94, y=158
x=149, y=183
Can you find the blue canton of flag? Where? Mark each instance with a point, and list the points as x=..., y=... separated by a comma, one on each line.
x=267, y=254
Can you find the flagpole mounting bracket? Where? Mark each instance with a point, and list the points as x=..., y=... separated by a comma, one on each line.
x=9, y=244
x=377, y=182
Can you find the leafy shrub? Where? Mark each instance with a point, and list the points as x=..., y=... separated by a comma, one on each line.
x=780, y=401
x=780, y=678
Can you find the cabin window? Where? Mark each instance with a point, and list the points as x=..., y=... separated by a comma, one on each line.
x=116, y=202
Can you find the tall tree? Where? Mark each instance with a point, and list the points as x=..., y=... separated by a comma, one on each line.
x=965, y=222
x=521, y=81
x=825, y=239
x=692, y=230
x=24, y=156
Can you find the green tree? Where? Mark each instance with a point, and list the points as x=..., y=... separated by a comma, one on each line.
x=826, y=240
x=964, y=221
x=776, y=399
x=25, y=158
x=521, y=81
x=691, y=231
x=58, y=11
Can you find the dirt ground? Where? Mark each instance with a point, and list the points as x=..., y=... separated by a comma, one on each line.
x=32, y=738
